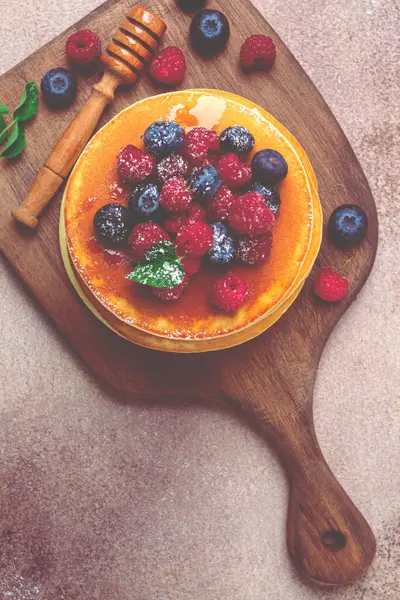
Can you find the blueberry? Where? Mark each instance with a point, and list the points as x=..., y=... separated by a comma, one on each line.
x=112, y=224
x=347, y=225
x=205, y=182
x=59, y=87
x=209, y=32
x=271, y=195
x=144, y=201
x=269, y=167
x=163, y=137
x=224, y=246
x=191, y=5
x=236, y=139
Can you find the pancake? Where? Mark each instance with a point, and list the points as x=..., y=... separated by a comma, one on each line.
x=94, y=182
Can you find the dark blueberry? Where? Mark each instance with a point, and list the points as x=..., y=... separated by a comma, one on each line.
x=269, y=167
x=191, y=5
x=205, y=182
x=144, y=201
x=347, y=225
x=236, y=139
x=163, y=137
x=59, y=87
x=112, y=224
x=224, y=246
x=270, y=193
x=209, y=32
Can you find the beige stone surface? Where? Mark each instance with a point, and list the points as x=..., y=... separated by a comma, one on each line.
x=106, y=500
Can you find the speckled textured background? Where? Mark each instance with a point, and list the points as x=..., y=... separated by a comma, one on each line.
x=106, y=500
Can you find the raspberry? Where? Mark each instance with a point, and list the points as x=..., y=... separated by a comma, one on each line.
x=195, y=240
x=197, y=214
x=229, y=292
x=250, y=215
x=134, y=165
x=330, y=285
x=254, y=250
x=173, y=293
x=144, y=236
x=220, y=205
x=198, y=143
x=258, y=52
x=191, y=264
x=172, y=166
x=234, y=172
x=175, y=223
x=169, y=66
x=83, y=48
x=175, y=196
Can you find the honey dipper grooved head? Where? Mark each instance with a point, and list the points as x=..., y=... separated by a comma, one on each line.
x=134, y=43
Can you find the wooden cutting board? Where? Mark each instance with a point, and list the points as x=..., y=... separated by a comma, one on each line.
x=271, y=377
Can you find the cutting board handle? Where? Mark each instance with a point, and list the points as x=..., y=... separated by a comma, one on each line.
x=328, y=538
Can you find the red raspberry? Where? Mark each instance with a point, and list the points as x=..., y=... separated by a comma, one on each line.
x=191, y=264
x=174, y=223
x=220, y=205
x=172, y=166
x=195, y=240
x=229, y=292
x=254, y=250
x=173, y=293
x=144, y=236
x=199, y=142
x=330, y=285
x=197, y=214
x=169, y=66
x=234, y=172
x=134, y=165
x=83, y=48
x=250, y=215
x=175, y=196
x=258, y=53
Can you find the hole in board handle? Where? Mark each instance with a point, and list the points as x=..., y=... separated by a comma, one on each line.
x=333, y=540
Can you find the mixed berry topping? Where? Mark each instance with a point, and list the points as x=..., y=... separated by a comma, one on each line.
x=212, y=219
x=175, y=195
x=168, y=66
x=134, y=165
x=112, y=225
x=163, y=137
x=237, y=139
x=229, y=292
x=258, y=53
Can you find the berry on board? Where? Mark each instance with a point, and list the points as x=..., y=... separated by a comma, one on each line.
x=168, y=66
x=330, y=285
x=83, y=48
x=258, y=53
x=59, y=87
x=347, y=225
x=209, y=32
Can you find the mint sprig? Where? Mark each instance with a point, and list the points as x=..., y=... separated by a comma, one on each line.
x=25, y=110
x=160, y=267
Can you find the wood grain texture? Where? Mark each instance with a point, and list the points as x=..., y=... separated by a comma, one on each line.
x=271, y=377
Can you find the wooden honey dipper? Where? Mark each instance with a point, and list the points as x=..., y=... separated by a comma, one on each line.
x=132, y=46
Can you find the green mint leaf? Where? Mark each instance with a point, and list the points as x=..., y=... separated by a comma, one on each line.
x=160, y=267
x=3, y=109
x=28, y=105
x=15, y=143
x=3, y=125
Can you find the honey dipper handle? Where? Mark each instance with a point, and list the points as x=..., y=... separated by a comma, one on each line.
x=328, y=538
x=66, y=152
